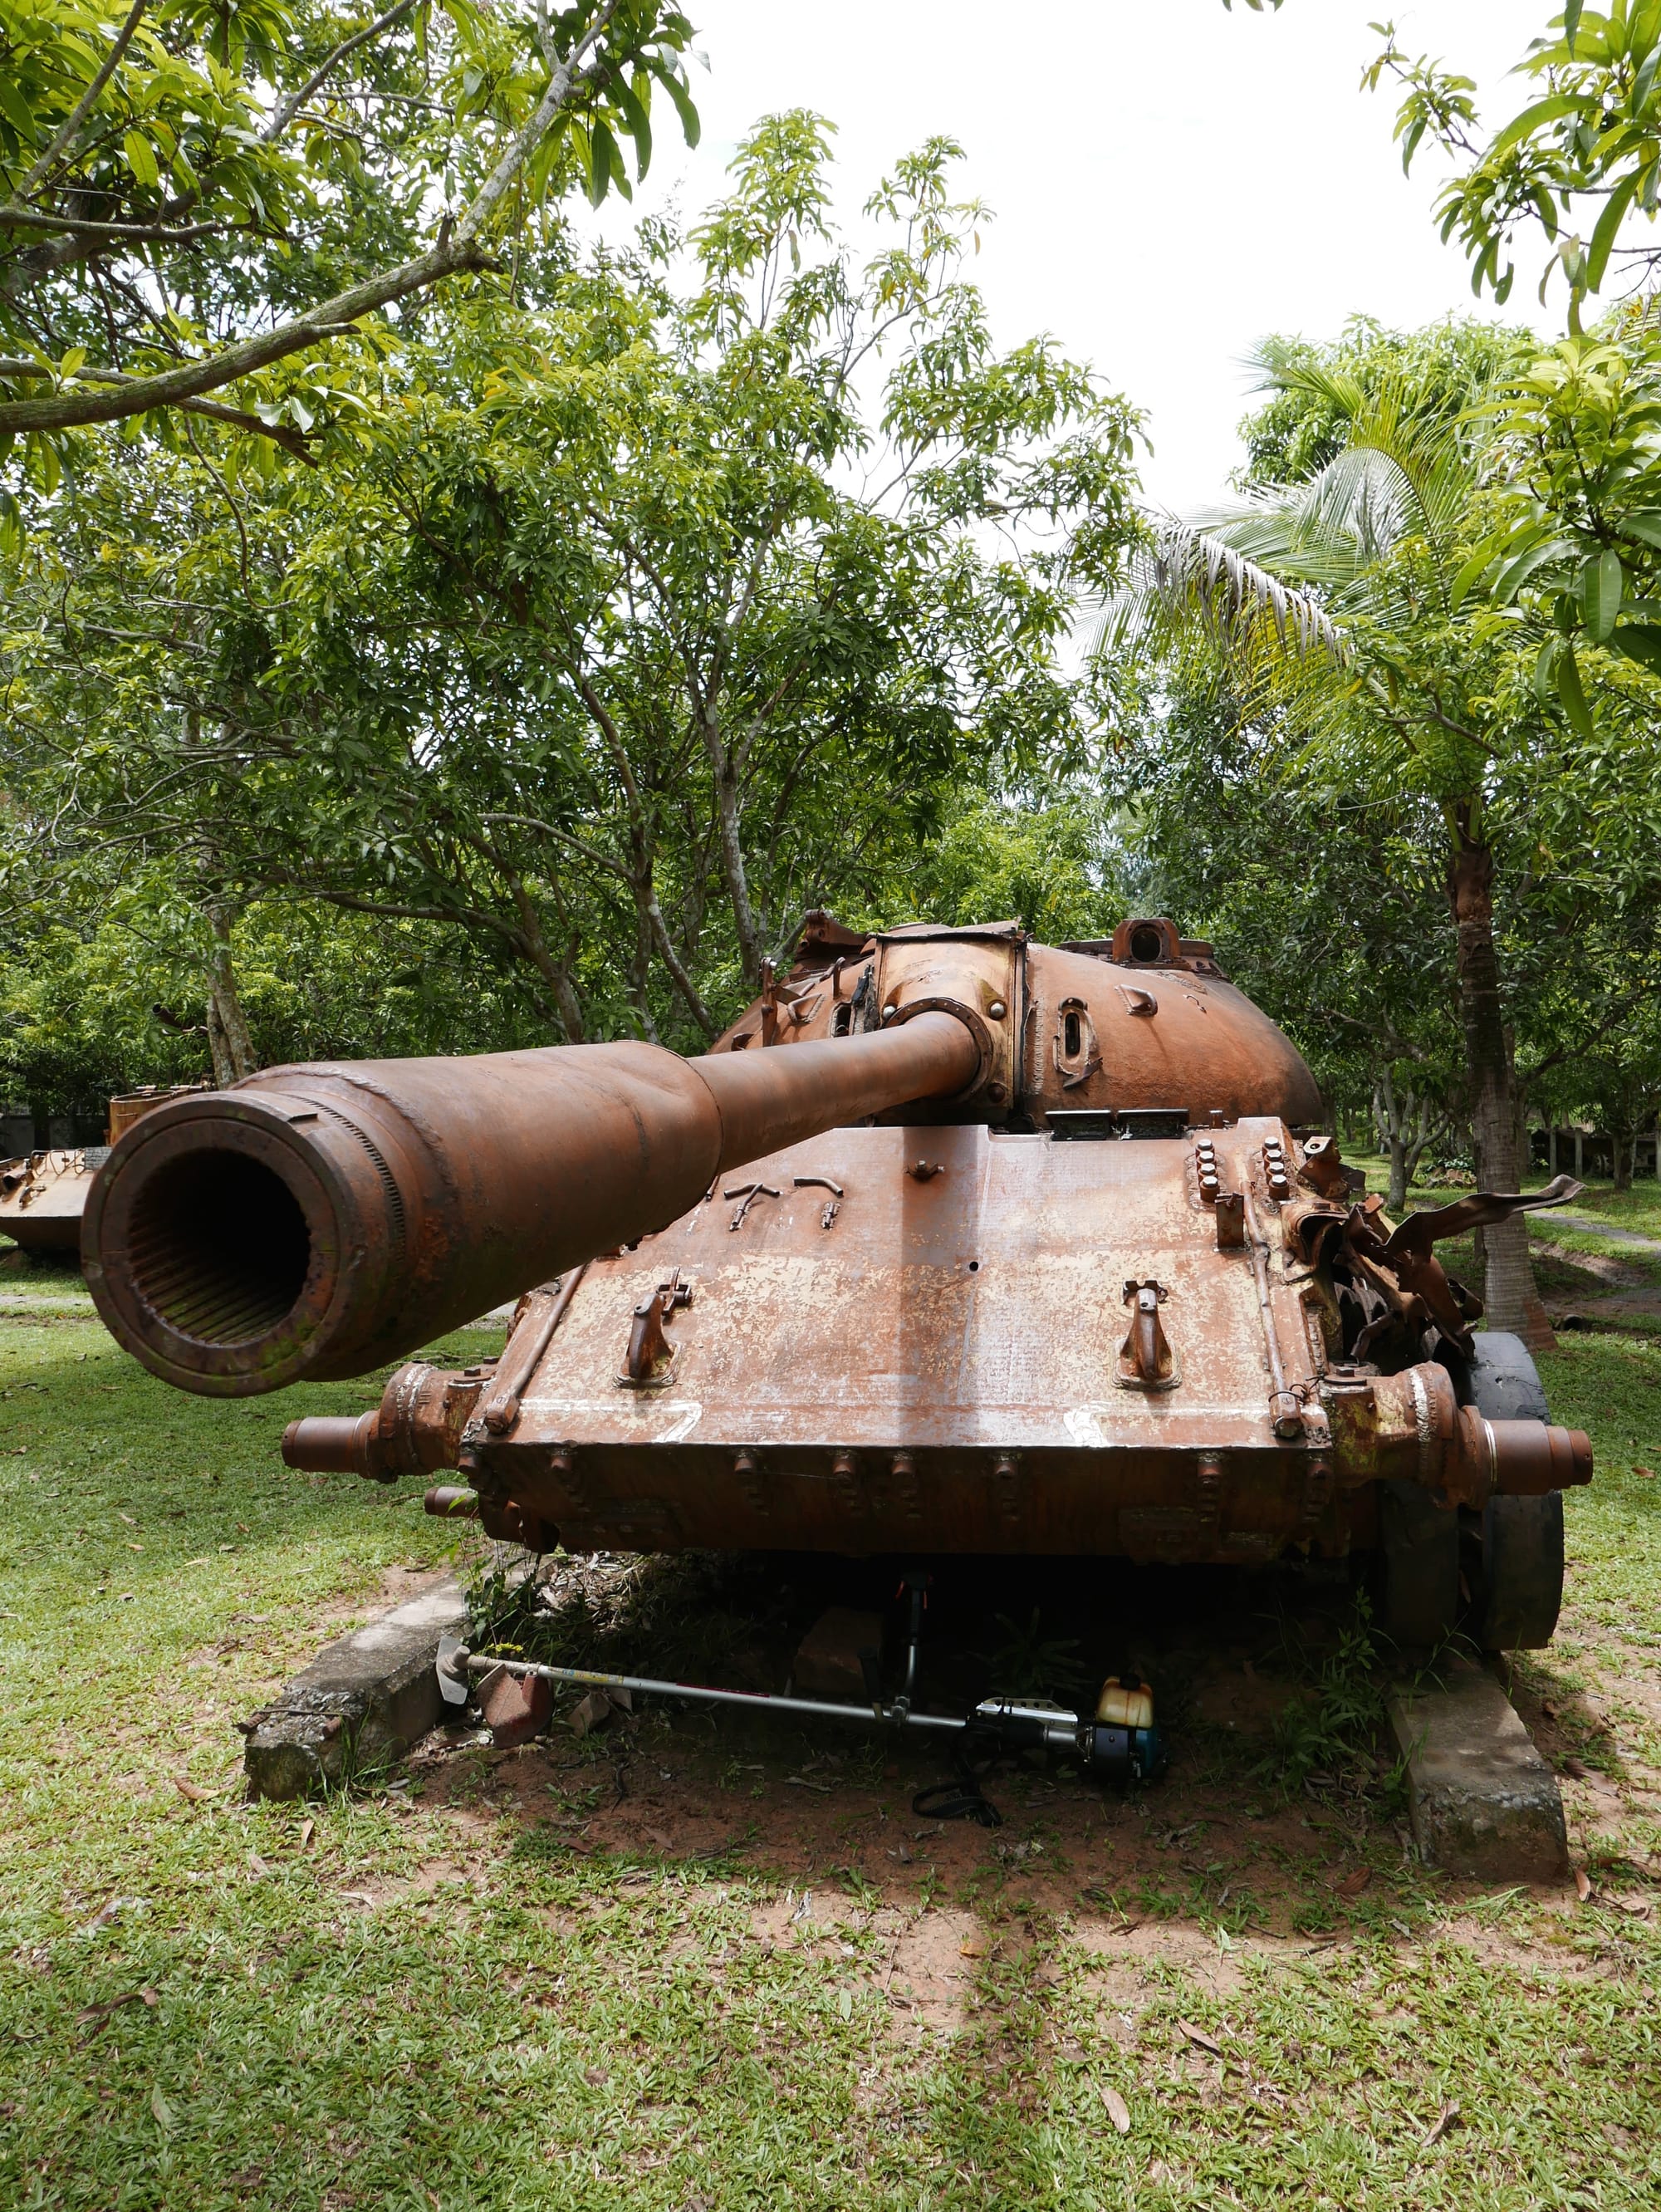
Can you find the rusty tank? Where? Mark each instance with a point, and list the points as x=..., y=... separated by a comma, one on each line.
x=953, y=1242
x=43, y=1195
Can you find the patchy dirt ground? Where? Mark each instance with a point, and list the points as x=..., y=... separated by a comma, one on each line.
x=1281, y=1817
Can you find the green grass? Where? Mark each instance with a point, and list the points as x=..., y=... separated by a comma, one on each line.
x=514, y=2024
x=1638, y=1209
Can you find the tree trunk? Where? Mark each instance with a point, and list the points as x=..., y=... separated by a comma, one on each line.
x=1392, y=1138
x=724, y=777
x=677, y=969
x=1406, y=1122
x=1395, y=1203
x=1509, y=1294
x=228, y=1039
x=562, y=1001
x=1626, y=1149
x=639, y=974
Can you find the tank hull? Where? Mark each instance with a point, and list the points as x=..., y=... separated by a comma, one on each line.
x=43, y=1198
x=966, y=1321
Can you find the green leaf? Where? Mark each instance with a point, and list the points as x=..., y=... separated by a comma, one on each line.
x=162, y=2109
x=1545, y=668
x=1571, y=22
x=691, y=128
x=603, y=160
x=1491, y=550
x=1602, y=239
x=140, y=157
x=1511, y=578
x=639, y=127
x=16, y=108
x=1603, y=587
x=1645, y=527
x=1639, y=641
x=600, y=145
x=1571, y=694
x=1543, y=111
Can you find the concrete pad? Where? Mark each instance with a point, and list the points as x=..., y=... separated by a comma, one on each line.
x=1484, y=1802
x=359, y=1705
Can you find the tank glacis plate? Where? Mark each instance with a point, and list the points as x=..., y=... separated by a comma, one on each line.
x=921, y=1342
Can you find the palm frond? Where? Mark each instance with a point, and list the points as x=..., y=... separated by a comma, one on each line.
x=1436, y=473
x=1191, y=578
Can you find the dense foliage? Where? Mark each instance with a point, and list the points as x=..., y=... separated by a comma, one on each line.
x=627, y=623
x=197, y=196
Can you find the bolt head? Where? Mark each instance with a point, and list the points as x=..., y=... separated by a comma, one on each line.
x=889, y=1012
x=997, y=1009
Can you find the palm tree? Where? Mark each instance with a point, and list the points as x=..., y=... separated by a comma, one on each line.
x=1340, y=611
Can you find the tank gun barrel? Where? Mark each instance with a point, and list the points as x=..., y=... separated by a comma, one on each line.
x=319, y=1221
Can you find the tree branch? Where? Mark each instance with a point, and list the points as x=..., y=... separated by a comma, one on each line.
x=79, y=112
x=531, y=132
x=457, y=250
x=174, y=385
x=143, y=234
x=291, y=107
x=281, y=434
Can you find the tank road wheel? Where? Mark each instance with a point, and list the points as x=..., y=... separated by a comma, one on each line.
x=1416, y=1589
x=1514, y=1549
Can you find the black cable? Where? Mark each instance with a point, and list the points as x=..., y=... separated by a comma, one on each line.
x=964, y=1798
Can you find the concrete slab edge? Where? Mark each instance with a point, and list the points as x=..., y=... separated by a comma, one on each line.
x=360, y=1705
x=1482, y=1801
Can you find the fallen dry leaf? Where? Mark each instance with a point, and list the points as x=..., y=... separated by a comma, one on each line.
x=96, y=2016
x=1648, y=1473
x=1118, y=2111
x=191, y=1789
x=1353, y=1883
x=972, y=1948
x=1573, y=1768
x=1446, y=2118
x=1582, y=1883
x=131, y=1519
x=1198, y=2035
x=308, y=1830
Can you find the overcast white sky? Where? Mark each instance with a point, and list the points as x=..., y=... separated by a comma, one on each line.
x=1170, y=181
